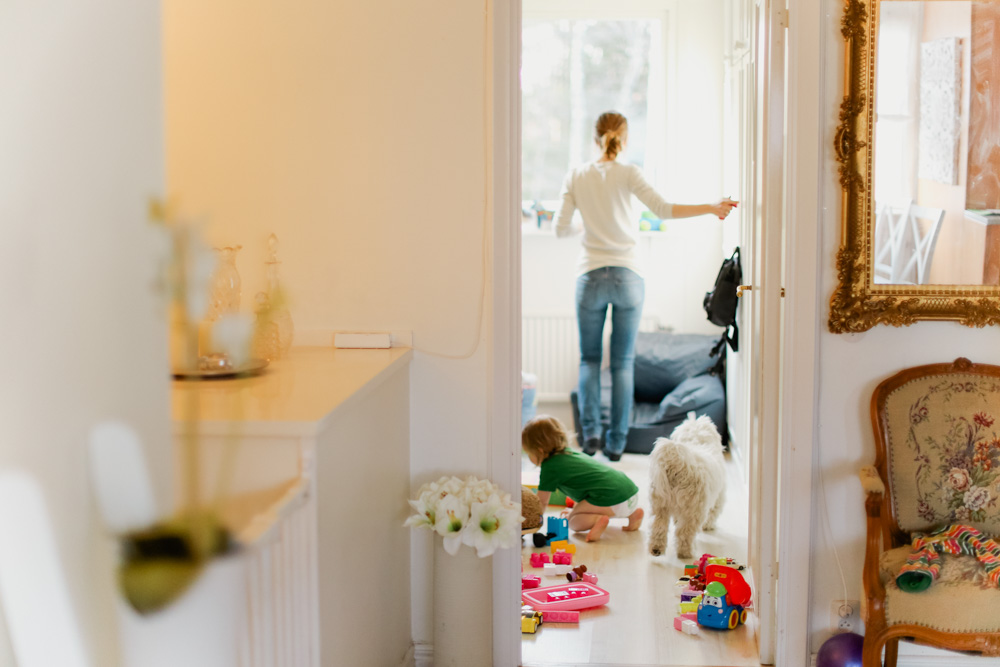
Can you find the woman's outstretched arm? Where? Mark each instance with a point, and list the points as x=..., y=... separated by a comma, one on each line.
x=720, y=209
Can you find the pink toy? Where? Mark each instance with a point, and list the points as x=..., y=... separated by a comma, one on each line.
x=539, y=559
x=530, y=581
x=686, y=624
x=556, y=616
x=590, y=577
x=577, y=596
x=562, y=558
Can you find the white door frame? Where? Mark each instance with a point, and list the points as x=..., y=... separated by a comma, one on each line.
x=797, y=420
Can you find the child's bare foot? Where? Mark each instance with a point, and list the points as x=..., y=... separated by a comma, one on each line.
x=598, y=529
x=635, y=520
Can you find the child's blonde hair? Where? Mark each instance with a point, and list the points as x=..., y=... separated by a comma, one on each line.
x=545, y=436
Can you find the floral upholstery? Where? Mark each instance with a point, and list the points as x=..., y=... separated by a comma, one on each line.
x=943, y=442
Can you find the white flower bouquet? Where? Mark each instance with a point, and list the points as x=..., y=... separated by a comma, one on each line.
x=475, y=512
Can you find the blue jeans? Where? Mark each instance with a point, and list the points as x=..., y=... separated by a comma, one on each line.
x=623, y=290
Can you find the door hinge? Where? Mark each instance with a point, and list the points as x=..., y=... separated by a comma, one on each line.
x=782, y=16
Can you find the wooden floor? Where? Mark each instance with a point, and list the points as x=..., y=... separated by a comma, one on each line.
x=636, y=626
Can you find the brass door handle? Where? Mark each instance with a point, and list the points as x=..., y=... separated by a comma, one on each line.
x=748, y=288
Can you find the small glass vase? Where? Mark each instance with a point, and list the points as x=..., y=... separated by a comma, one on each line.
x=226, y=285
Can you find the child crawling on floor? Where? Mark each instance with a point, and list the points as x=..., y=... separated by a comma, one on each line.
x=599, y=491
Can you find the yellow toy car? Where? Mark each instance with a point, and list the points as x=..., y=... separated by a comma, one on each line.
x=530, y=619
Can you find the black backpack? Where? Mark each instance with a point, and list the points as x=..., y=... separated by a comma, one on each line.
x=720, y=303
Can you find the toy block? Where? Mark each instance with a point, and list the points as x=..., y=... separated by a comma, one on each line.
x=562, y=558
x=690, y=595
x=560, y=616
x=686, y=623
x=687, y=607
x=562, y=545
x=559, y=526
x=539, y=559
x=590, y=577
x=716, y=561
x=530, y=581
x=555, y=569
x=576, y=591
x=690, y=570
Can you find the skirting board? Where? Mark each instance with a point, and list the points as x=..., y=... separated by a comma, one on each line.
x=936, y=661
x=423, y=655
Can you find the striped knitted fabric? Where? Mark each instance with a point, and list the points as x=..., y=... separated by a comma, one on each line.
x=924, y=565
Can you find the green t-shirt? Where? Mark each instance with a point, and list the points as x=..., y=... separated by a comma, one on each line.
x=582, y=478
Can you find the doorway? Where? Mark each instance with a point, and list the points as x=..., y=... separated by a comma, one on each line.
x=795, y=411
x=641, y=58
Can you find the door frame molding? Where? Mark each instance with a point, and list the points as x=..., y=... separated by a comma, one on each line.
x=797, y=418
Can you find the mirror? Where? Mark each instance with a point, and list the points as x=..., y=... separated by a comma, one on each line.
x=919, y=150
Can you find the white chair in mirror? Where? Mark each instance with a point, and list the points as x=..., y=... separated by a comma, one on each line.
x=905, y=238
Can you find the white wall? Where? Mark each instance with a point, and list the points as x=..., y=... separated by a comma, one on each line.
x=81, y=127
x=358, y=133
x=681, y=263
x=850, y=366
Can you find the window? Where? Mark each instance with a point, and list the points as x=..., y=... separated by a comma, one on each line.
x=895, y=178
x=573, y=69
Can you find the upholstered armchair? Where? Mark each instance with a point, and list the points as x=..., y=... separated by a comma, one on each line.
x=937, y=438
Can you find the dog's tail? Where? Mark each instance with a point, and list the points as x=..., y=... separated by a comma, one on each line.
x=672, y=464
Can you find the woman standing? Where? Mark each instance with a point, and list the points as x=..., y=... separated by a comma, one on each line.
x=608, y=273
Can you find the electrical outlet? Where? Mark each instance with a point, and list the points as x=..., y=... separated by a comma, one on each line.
x=845, y=616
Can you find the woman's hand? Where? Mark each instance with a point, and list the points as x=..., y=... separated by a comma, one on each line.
x=723, y=208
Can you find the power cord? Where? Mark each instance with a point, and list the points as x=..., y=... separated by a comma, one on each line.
x=487, y=198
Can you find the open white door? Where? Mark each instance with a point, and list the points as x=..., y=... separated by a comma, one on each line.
x=762, y=239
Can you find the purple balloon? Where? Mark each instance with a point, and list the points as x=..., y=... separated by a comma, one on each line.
x=841, y=650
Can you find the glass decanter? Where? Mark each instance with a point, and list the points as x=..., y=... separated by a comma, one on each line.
x=277, y=302
x=225, y=285
x=265, y=337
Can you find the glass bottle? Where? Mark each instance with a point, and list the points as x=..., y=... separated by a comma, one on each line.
x=225, y=285
x=265, y=338
x=279, y=313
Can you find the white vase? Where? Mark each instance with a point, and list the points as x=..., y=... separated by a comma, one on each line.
x=202, y=628
x=463, y=604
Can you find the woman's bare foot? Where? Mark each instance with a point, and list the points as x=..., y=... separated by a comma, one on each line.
x=635, y=520
x=598, y=529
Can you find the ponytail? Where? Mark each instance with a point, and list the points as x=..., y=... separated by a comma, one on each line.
x=609, y=133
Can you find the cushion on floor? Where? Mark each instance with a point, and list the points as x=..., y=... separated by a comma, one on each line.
x=663, y=361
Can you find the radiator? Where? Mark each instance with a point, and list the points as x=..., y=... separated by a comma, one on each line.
x=282, y=621
x=550, y=350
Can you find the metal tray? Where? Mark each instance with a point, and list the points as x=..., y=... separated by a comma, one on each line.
x=252, y=367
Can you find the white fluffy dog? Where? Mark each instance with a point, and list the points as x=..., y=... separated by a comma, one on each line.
x=687, y=482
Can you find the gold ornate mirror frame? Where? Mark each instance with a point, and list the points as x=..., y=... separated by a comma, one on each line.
x=858, y=304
